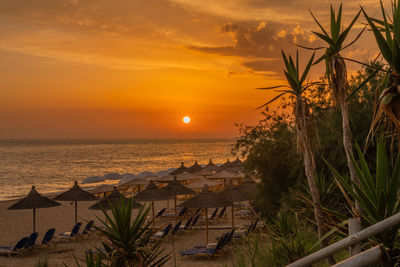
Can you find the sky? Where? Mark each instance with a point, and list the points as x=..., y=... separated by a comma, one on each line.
x=134, y=69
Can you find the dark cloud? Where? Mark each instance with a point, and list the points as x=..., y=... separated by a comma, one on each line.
x=262, y=42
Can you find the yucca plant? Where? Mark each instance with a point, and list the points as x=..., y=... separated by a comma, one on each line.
x=336, y=73
x=284, y=225
x=377, y=193
x=128, y=240
x=387, y=36
x=296, y=88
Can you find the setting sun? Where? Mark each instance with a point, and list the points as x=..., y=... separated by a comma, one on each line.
x=186, y=119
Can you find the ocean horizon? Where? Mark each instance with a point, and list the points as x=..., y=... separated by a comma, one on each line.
x=53, y=164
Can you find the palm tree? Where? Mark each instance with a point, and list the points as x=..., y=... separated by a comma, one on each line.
x=305, y=127
x=336, y=73
x=388, y=96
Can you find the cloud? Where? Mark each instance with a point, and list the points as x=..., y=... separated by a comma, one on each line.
x=262, y=43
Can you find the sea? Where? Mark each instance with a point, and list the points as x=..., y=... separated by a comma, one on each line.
x=53, y=165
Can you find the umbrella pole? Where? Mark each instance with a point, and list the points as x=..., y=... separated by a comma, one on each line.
x=34, y=220
x=76, y=212
x=176, y=218
x=206, y=228
x=233, y=218
x=154, y=219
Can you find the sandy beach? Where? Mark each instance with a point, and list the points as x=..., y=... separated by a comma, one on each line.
x=16, y=224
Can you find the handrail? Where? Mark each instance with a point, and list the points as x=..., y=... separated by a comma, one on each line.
x=348, y=241
x=371, y=256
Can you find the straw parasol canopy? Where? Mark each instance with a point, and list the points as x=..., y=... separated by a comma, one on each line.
x=185, y=176
x=134, y=182
x=248, y=186
x=105, y=188
x=114, y=198
x=234, y=194
x=224, y=174
x=153, y=193
x=175, y=188
x=211, y=166
x=206, y=199
x=238, y=162
x=164, y=179
x=204, y=172
x=179, y=170
x=200, y=183
x=34, y=201
x=195, y=167
x=75, y=193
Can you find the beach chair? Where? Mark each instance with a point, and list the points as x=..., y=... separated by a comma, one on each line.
x=160, y=213
x=72, y=234
x=186, y=226
x=221, y=215
x=210, y=217
x=209, y=252
x=175, y=229
x=87, y=228
x=48, y=236
x=182, y=212
x=16, y=250
x=214, y=244
x=31, y=241
x=245, y=232
x=194, y=223
x=163, y=233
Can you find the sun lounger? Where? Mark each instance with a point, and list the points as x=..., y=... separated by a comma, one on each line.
x=31, y=240
x=88, y=228
x=73, y=233
x=182, y=212
x=16, y=250
x=163, y=233
x=48, y=236
x=160, y=213
x=195, y=221
x=186, y=226
x=210, y=217
x=209, y=252
x=220, y=216
x=214, y=244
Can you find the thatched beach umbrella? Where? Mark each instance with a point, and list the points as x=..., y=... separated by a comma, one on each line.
x=206, y=199
x=153, y=193
x=224, y=174
x=179, y=170
x=234, y=194
x=200, y=183
x=114, y=198
x=164, y=179
x=248, y=186
x=134, y=182
x=34, y=201
x=195, y=167
x=102, y=189
x=204, y=172
x=75, y=193
x=186, y=176
x=175, y=189
x=211, y=166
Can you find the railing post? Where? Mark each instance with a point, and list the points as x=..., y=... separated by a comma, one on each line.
x=354, y=227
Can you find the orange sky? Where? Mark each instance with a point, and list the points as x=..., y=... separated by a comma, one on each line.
x=128, y=68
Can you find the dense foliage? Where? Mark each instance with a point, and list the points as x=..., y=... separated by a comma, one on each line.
x=270, y=146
